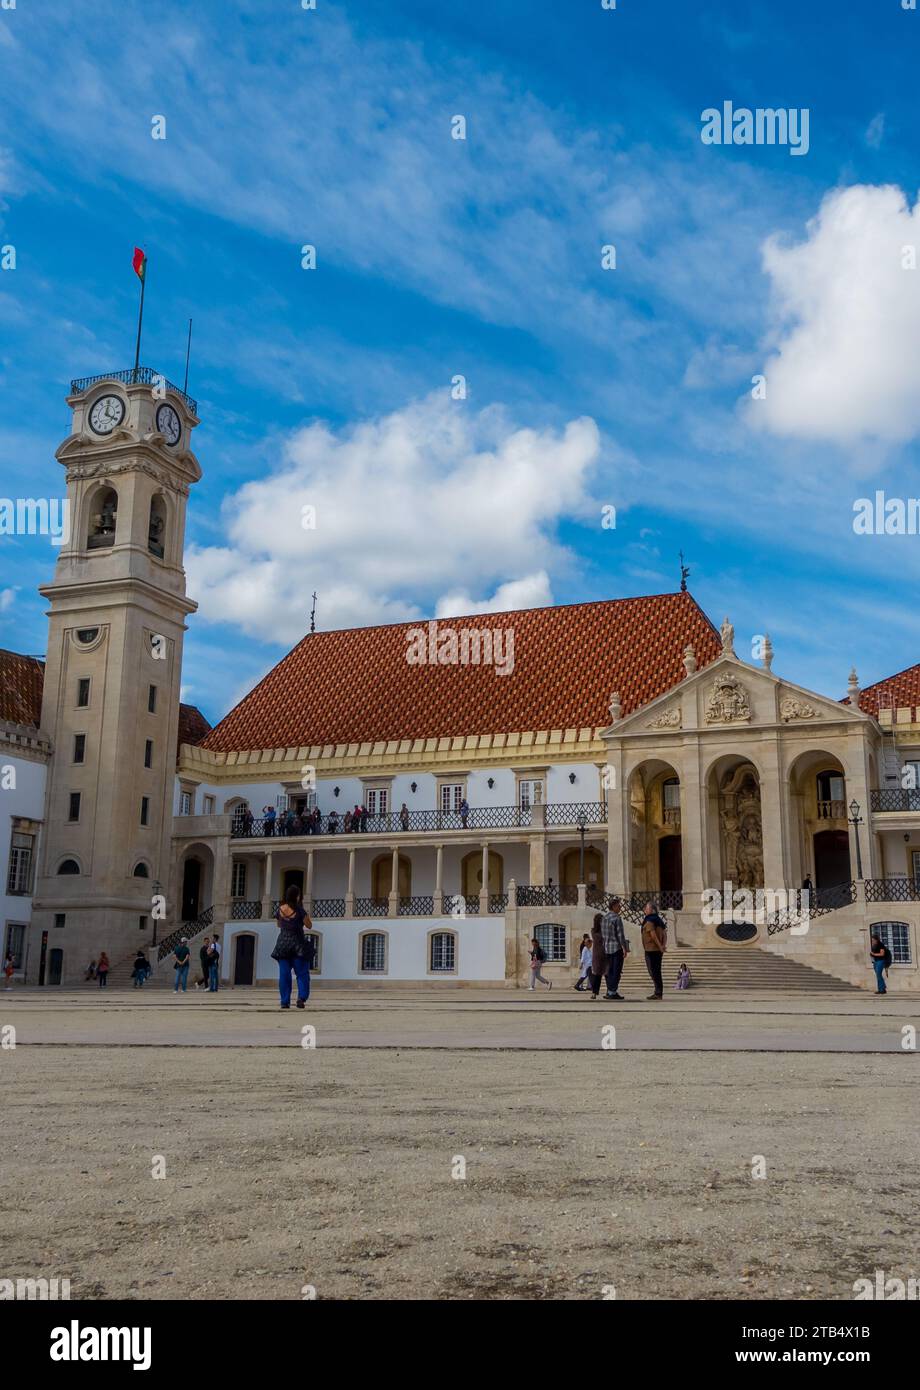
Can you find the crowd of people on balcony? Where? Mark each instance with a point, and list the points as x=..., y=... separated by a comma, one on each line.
x=311, y=821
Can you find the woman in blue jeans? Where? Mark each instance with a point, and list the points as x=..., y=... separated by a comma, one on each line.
x=293, y=949
x=880, y=962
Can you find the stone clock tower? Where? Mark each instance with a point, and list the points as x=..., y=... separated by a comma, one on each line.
x=111, y=690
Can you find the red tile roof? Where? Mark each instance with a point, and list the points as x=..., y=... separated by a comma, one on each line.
x=356, y=686
x=21, y=681
x=898, y=691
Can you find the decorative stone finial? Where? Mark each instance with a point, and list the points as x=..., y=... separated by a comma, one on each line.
x=689, y=659
x=615, y=707
x=766, y=652
x=853, y=687
x=728, y=638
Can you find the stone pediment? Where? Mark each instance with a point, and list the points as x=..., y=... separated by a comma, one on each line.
x=730, y=694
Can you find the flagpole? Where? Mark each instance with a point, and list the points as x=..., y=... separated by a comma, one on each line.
x=140, y=320
x=188, y=353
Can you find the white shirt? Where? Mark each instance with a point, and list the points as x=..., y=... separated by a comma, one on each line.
x=586, y=958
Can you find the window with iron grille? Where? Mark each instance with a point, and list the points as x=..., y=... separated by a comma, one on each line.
x=238, y=880
x=19, y=879
x=551, y=936
x=443, y=951
x=896, y=936
x=373, y=952
x=317, y=940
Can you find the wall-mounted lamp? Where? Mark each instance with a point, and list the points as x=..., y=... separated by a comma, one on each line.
x=491, y=783
x=413, y=786
x=572, y=778
x=335, y=791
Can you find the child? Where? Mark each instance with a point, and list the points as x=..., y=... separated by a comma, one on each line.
x=583, y=982
x=683, y=977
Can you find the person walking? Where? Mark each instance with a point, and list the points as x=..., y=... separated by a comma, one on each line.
x=181, y=956
x=537, y=957
x=616, y=947
x=584, y=975
x=9, y=965
x=881, y=959
x=102, y=970
x=599, y=962
x=214, y=966
x=293, y=950
x=654, y=943
x=141, y=966
x=202, y=981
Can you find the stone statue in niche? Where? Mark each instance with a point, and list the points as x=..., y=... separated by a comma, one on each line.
x=742, y=830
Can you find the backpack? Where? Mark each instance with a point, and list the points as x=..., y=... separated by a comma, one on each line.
x=887, y=956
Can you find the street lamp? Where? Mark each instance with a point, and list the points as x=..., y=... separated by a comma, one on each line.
x=856, y=821
x=581, y=823
x=157, y=890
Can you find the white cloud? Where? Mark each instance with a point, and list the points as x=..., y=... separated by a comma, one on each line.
x=846, y=322
x=429, y=504
x=7, y=599
x=875, y=131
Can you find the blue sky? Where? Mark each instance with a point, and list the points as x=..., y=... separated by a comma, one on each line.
x=482, y=257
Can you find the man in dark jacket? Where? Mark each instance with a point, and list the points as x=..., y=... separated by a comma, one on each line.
x=654, y=943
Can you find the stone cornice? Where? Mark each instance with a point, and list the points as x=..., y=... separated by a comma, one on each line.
x=24, y=741
x=440, y=756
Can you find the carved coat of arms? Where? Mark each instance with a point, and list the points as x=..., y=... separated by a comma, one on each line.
x=728, y=701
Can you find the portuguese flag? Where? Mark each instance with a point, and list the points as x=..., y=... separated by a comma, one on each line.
x=140, y=264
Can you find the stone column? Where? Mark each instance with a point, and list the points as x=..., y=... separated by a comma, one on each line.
x=538, y=843
x=267, y=889
x=617, y=828
x=393, y=906
x=484, y=890
x=439, y=882
x=220, y=888
x=350, y=890
x=773, y=821
x=693, y=804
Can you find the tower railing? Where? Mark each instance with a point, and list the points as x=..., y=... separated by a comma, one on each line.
x=133, y=376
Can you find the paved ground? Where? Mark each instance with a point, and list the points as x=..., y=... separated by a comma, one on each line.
x=334, y=1166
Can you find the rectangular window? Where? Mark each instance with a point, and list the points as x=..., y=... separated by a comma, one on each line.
x=209, y=806
x=79, y=748
x=142, y=923
x=83, y=692
x=15, y=943
x=671, y=795
x=896, y=936
x=451, y=796
x=185, y=803
x=377, y=801
x=152, y=699
x=19, y=879
x=60, y=920
x=145, y=810
x=443, y=953
x=73, y=812
x=148, y=752
x=551, y=937
x=238, y=880
x=528, y=793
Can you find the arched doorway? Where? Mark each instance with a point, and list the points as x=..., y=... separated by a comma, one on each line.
x=670, y=865
x=382, y=876
x=570, y=867
x=244, y=959
x=191, y=889
x=471, y=873
x=292, y=877
x=832, y=858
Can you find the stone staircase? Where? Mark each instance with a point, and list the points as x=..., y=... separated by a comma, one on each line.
x=742, y=968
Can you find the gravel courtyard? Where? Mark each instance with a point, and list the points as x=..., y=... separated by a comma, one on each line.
x=336, y=1166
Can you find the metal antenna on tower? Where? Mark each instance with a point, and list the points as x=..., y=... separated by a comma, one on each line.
x=313, y=614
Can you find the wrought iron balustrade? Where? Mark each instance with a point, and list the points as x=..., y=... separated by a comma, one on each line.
x=895, y=799
x=559, y=813
x=245, y=911
x=421, y=906
x=498, y=902
x=133, y=376
x=188, y=930
x=892, y=890
x=327, y=907
x=662, y=897
x=547, y=895
x=284, y=826
x=457, y=904
x=372, y=907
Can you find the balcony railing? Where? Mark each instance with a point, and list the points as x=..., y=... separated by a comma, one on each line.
x=245, y=911
x=327, y=907
x=393, y=823
x=832, y=810
x=547, y=895
x=416, y=907
x=671, y=817
x=372, y=907
x=571, y=812
x=895, y=799
x=663, y=897
x=456, y=903
x=892, y=890
x=133, y=376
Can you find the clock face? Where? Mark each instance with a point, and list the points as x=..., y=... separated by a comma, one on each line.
x=107, y=412
x=168, y=424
